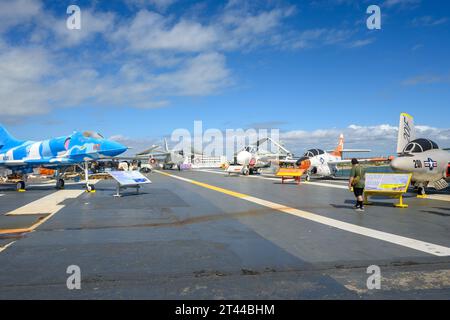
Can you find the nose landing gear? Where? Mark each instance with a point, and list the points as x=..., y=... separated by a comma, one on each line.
x=90, y=188
x=20, y=186
x=421, y=192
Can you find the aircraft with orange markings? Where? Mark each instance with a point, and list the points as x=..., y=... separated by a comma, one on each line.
x=324, y=164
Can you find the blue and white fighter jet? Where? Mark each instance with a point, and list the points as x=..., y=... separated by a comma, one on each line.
x=20, y=157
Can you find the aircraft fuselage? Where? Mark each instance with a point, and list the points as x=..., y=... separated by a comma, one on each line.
x=428, y=166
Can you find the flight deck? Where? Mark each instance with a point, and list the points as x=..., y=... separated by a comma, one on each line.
x=201, y=234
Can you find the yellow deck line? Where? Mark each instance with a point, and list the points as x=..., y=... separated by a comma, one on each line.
x=440, y=197
x=208, y=186
x=419, y=245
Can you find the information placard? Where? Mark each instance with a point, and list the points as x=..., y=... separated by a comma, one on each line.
x=127, y=178
x=388, y=182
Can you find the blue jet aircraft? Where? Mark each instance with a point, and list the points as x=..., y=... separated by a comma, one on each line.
x=20, y=157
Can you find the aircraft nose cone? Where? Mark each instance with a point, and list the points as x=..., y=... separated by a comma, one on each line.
x=114, y=149
x=120, y=148
x=394, y=164
x=398, y=164
x=243, y=158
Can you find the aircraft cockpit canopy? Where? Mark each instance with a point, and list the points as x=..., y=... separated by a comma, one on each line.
x=313, y=152
x=92, y=134
x=420, y=145
x=251, y=149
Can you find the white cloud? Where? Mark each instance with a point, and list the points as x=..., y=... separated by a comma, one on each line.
x=429, y=21
x=18, y=12
x=139, y=61
x=233, y=29
x=23, y=72
x=381, y=139
x=426, y=79
x=361, y=43
x=240, y=28
x=401, y=3
x=151, y=31
x=321, y=37
x=204, y=74
x=34, y=81
x=52, y=29
x=158, y=4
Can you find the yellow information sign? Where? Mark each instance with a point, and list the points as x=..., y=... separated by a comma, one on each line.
x=392, y=185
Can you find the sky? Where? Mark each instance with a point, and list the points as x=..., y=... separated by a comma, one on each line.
x=139, y=69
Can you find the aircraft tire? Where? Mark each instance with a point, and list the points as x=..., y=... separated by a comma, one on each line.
x=146, y=170
x=20, y=185
x=60, y=184
x=421, y=191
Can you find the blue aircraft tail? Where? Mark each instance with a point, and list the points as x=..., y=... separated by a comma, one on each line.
x=6, y=139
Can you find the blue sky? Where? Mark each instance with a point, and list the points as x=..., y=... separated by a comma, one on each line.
x=139, y=69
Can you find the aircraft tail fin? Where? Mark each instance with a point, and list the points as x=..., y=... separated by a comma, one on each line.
x=6, y=139
x=166, y=146
x=339, y=149
x=406, y=132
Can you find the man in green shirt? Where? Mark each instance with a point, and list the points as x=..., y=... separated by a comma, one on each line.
x=357, y=182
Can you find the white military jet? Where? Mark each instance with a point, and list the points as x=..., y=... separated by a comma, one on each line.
x=168, y=158
x=429, y=165
x=253, y=157
x=322, y=163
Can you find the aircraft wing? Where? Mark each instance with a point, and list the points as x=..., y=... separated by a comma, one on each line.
x=288, y=161
x=50, y=161
x=148, y=151
x=12, y=163
x=154, y=155
x=352, y=150
x=158, y=156
x=370, y=160
x=38, y=162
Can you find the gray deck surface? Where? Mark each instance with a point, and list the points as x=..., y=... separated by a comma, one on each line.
x=177, y=240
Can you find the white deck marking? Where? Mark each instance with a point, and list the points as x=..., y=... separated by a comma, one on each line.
x=5, y=246
x=47, y=205
x=329, y=185
x=1, y=194
x=419, y=245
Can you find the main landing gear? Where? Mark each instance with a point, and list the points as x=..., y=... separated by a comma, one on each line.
x=20, y=186
x=89, y=187
x=421, y=192
x=16, y=180
x=246, y=170
x=60, y=184
x=59, y=179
